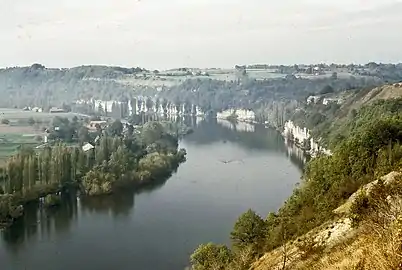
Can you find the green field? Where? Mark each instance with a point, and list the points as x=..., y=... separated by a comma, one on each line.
x=18, y=132
x=17, y=114
x=171, y=78
x=10, y=143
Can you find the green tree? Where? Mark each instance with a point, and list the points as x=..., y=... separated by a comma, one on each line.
x=31, y=121
x=139, y=105
x=249, y=230
x=327, y=89
x=5, y=121
x=157, y=104
x=33, y=172
x=151, y=132
x=83, y=135
x=149, y=104
x=116, y=128
x=164, y=105
x=211, y=257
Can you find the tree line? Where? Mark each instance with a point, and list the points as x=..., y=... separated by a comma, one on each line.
x=114, y=160
x=45, y=87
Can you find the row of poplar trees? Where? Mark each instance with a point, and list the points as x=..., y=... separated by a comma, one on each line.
x=57, y=166
x=51, y=168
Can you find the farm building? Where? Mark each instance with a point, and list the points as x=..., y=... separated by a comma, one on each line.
x=87, y=147
x=56, y=110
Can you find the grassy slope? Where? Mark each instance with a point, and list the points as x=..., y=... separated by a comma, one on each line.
x=374, y=244
x=343, y=247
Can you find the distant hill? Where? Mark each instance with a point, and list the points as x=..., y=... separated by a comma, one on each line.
x=214, y=89
x=46, y=87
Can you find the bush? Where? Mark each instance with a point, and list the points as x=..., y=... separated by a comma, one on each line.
x=9, y=209
x=5, y=121
x=31, y=121
x=211, y=256
x=327, y=89
x=97, y=182
x=359, y=208
x=52, y=200
x=249, y=230
x=308, y=247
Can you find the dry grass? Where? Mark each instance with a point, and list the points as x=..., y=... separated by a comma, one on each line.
x=367, y=251
x=375, y=245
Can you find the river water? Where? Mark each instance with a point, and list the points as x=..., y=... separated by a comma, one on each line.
x=158, y=227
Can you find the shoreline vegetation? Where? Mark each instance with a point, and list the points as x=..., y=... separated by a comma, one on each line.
x=137, y=158
x=370, y=148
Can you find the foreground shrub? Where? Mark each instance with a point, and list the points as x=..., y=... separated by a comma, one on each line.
x=211, y=257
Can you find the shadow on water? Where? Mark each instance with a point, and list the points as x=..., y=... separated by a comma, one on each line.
x=122, y=201
x=39, y=222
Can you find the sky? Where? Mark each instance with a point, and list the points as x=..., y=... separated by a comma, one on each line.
x=198, y=33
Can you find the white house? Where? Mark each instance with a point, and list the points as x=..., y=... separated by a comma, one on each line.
x=86, y=147
x=313, y=99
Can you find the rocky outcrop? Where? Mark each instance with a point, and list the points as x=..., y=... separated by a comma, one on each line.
x=337, y=244
x=139, y=105
x=303, y=139
x=241, y=115
x=388, y=179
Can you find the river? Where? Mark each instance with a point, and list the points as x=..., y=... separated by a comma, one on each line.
x=158, y=227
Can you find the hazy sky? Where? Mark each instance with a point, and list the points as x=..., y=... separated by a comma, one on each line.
x=202, y=33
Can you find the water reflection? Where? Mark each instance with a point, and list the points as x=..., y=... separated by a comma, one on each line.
x=159, y=230
x=250, y=136
x=39, y=223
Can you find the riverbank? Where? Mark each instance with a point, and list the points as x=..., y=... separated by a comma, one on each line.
x=361, y=236
x=12, y=205
x=371, y=150
x=301, y=138
x=113, y=161
x=294, y=136
x=164, y=215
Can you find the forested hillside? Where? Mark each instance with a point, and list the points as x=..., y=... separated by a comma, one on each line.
x=365, y=134
x=114, y=159
x=334, y=122
x=213, y=89
x=44, y=87
x=252, y=93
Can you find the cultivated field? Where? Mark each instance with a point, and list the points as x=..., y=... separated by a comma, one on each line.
x=16, y=114
x=171, y=78
x=20, y=132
